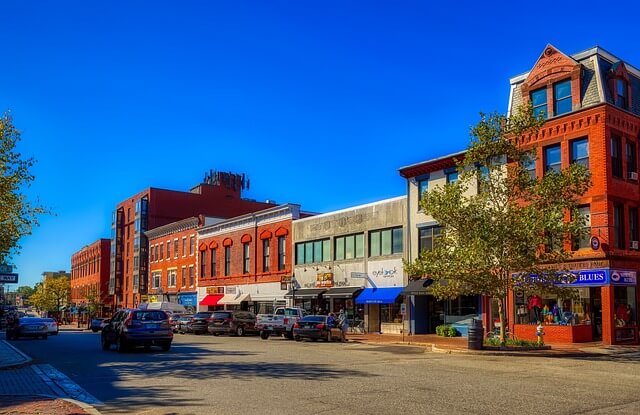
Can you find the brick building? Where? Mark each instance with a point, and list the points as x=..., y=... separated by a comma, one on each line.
x=246, y=262
x=90, y=274
x=219, y=196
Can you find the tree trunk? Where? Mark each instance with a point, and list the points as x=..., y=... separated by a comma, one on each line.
x=502, y=322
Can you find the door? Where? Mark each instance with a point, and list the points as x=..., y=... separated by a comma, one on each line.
x=596, y=308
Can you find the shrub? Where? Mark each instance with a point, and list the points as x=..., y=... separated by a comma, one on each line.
x=446, y=330
x=494, y=341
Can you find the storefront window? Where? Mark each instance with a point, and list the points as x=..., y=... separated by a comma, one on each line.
x=550, y=309
x=625, y=306
x=390, y=313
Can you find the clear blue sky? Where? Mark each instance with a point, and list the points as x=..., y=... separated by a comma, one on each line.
x=319, y=102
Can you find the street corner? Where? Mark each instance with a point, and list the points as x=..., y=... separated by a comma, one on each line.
x=11, y=357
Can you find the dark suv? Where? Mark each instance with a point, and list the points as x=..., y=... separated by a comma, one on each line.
x=130, y=328
x=199, y=322
x=232, y=322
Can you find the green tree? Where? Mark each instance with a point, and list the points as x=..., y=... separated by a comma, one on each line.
x=60, y=291
x=94, y=306
x=41, y=299
x=25, y=291
x=18, y=215
x=505, y=234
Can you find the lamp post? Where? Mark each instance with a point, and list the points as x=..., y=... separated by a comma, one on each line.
x=293, y=290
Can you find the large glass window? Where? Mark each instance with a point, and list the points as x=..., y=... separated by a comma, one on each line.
x=427, y=237
x=385, y=242
x=452, y=175
x=246, y=259
x=562, y=97
x=552, y=159
x=632, y=161
x=539, y=102
x=155, y=279
x=227, y=260
x=580, y=152
x=625, y=306
x=281, y=252
x=313, y=251
x=265, y=255
x=390, y=313
x=618, y=226
x=621, y=93
x=616, y=156
x=171, y=278
x=584, y=241
x=350, y=246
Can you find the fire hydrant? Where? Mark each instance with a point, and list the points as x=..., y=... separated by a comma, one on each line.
x=540, y=333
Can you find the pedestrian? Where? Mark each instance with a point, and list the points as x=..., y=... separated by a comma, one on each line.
x=344, y=325
x=331, y=322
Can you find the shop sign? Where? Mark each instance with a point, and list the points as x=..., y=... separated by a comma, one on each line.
x=324, y=279
x=591, y=277
x=213, y=290
x=187, y=299
x=619, y=277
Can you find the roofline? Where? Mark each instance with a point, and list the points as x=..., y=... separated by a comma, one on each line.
x=335, y=212
x=292, y=207
x=459, y=153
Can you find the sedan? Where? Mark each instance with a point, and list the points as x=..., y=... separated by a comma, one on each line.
x=98, y=324
x=312, y=327
x=183, y=325
x=52, y=325
x=28, y=327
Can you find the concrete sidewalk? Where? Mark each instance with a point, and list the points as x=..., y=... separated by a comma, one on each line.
x=460, y=345
x=27, y=388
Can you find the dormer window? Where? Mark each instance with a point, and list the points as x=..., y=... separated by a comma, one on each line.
x=621, y=93
x=562, y=97
x=539, y=102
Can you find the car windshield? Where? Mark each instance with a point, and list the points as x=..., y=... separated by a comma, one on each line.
x=221, y=315
x=314, y=319
x=149, y=315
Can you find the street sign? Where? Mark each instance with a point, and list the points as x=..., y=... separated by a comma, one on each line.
x=6, y=269
x=9, y=278
x=359, y=275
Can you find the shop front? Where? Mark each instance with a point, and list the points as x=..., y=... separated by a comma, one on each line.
x=309, y=299
x=382, y=308
x=605, y=309
x=189, y=300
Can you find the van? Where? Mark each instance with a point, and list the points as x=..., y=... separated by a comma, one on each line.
x=167, y=307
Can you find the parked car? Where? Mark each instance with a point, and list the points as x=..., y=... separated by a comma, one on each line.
x=236, y=322
x=98, y=323
x=28, y=327
x=312, y=327
x=183, y=324
x=279, y=323
x=200, y=321
x=52, y=326
x=131, y=328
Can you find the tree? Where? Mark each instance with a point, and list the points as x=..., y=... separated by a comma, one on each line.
x=94, y=306
x=25, y=291
x=504, y=235
x=52, y=294
x=41, y=299
x=18, y=215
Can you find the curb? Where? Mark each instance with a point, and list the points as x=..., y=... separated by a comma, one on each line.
x=25, y=362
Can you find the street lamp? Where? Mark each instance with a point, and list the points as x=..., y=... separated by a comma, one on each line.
x=293, y=289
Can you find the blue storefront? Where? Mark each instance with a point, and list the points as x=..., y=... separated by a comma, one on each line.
x=189, y=300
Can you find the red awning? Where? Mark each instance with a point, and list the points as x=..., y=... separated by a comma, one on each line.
x=211, y=299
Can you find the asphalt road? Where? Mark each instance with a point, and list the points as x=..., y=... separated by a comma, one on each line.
x=231, y=375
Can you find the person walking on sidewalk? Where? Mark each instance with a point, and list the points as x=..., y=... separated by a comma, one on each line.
x=344, y=325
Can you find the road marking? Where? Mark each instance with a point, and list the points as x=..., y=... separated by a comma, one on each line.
x=63, y=386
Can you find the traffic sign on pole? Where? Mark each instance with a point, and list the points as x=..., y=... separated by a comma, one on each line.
x=8, y=278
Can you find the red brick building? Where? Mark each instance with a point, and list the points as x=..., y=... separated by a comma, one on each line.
x=245, y=262
x=219, y=196
x=90, y=274
x=592, y=104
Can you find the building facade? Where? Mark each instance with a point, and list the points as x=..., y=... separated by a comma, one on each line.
x=90, y=275
x=219, y=196
x=591, y=101
x=351, y=259
x=245, y=262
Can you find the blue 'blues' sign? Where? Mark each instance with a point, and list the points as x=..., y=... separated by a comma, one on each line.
x=188, y=300
x=600, y=277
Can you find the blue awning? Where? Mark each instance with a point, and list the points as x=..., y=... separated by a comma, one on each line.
x=379, y=295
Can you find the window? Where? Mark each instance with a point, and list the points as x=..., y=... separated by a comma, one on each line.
x=171, y=277
x=203, y=263
x=246, y=259
x=562, y=97
x=584, y=241
x=632, y=161
x=452, y=175
x=227, y=260
x=313, y=251
x=153, y=253
x=427, y=237
x=265, y=255
x=618, y=228
x=530, y=166
x=539, y=102
x=633, y=227
x=281, y=252
x=621, y=94
x=192, y=244
x=175, y=248
x=155, y=279
x=580, y=152
x=423, y=186
x=161, y=251
x=552, y=158
x=191, y=276
x=184, y=277
x=213, y=271
x=385, y=242
x=616, y=157
x=168, y=249
x=349, y=247
x=184, y=246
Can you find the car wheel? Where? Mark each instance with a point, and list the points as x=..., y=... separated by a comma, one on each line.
x=264, y=335
x=288, y=335
x=121, y=345
x=105, y=343
x=166, y=346
x=298, y=338
x=216, y=334
x=240, y=331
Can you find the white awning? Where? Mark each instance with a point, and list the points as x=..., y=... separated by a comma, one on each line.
x=234, y=299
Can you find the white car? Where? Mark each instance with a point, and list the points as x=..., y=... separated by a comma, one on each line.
x=52, y=325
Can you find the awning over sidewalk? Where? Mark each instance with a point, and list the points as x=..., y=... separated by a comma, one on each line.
x=211, y=299
x=417, y=287
x=379, y=295
x=234, y=299
x=342, y=292
x=305, y=293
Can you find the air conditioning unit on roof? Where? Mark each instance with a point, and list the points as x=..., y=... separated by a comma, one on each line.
x=633, y=175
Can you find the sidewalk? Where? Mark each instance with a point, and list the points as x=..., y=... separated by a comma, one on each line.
x=460, y=345
x=26, y=389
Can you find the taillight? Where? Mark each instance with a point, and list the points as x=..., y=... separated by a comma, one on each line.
x=286, y=321
x=320, y=326
x=128, y=322
x=296, y=326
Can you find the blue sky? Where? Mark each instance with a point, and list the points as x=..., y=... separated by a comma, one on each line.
x=319, y=102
